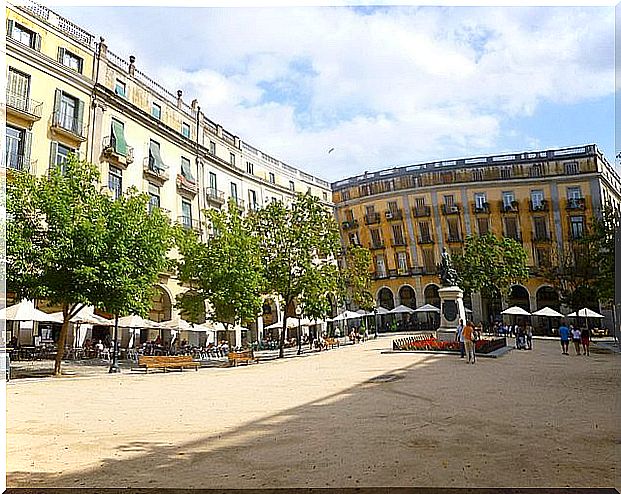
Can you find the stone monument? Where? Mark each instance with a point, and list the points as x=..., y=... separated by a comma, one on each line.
x=451, y=300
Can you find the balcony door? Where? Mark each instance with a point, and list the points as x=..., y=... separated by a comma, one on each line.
x=18, y=90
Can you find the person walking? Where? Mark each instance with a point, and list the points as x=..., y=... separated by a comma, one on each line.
x=575, y=337
x=459, y=336
x=563, y=332
x=468, y=336
x=585, y=336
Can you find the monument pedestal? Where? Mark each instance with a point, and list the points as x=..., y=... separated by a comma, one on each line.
x=451, y=311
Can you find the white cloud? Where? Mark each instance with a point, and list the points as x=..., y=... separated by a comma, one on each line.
x=384, y=86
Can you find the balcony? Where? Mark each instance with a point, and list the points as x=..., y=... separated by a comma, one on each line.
x=24, y=108
x=371, y=219
x=69, y=127
x=483, y=208
x=380, y=275
x=393, y=215
x=214, y=197
x=454, y=239
x=450, y=209
x=18, y=162
x=425, y=239
x=399, y=243
x=350, y=224
x=541, y=237
x=421, y=211
x=189, y=224
x=185, y=185
x=111, y=154
x=509, y=208
x=376, y=245
x=238, y=202
x=151, y=171
x=392, y=273
x=578, y=204
x=538, y=206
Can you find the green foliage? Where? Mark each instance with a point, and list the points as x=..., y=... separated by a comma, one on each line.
x=70, y=243
x=491, y=265
x=601, y=235
x=357, y=276
x=299, y=245
x=226, y=271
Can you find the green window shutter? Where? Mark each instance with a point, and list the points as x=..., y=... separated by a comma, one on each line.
x=27, y=149
x=80, y=118
x=37, y=42
x=57, y=97
x=53, y=153
x=154, y=149
x=9, y=28
x=119, y=138
x=61, y=54
x=186, y=170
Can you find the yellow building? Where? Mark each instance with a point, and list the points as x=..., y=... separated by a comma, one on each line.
x=67, y=92
x=407, y=215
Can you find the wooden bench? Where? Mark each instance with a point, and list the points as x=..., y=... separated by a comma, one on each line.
x=166, y=362
x=332, y=342
x=241, y=356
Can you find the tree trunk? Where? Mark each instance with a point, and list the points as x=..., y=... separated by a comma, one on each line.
x=281, y=352
x=62, y=338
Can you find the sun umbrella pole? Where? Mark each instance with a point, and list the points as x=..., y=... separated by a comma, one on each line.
x=114, y=366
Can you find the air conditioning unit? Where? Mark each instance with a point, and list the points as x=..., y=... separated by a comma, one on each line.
x=454, y=209
x=389, y=215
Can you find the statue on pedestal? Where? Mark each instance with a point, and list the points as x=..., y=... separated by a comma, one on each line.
x=448, y=274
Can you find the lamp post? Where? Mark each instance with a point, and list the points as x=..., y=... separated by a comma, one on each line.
x=114, y=366
x=298, y=313
x=375, y=319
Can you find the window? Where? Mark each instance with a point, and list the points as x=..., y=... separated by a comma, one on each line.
x=117, y=137
x=59, y=154
x=370, y=210
x=345, y=195
x=483, y=225
x=154, y=196
x=186, y=213
x=213, y=182
x=70, y=60
x=185, y=130
x=536, y=199
x=272, y=178
x=511, y=228
x=291, y=185
x=349, y=215
x=402, y=262
x=252, y=200
x=429, y=261
x=156, y=163
x=480, y=200
x=507, y=199
x=115, y=182
x=541, y=228
x=425, y=235
x=577, y=226
x=325, y=196
x=18, y=90
x=506, y=172
x=186, y=170
x=212, y=148
x=68, y=112
x=18, y=144
x=234, y=191
x=250, y=167
x=420, y=202
x=120, y=88
x=477, y=175
x=232, y=159
x=380, y=266
x=24, y=35
x=535, y=170
x=376, y=239
x=156, y=111
x=392, y=206
x=572, y=168
x=354, y=239
x=453, y=229
x=397, y=235
x=574, y=193
x=543, y=257
x=449, y=200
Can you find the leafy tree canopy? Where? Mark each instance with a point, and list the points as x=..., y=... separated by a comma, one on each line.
x=357, y=276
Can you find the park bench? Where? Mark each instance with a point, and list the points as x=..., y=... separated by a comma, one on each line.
x=166, y=362
x=241, y=356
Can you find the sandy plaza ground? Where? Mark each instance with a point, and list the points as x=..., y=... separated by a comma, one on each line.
x=348, y=417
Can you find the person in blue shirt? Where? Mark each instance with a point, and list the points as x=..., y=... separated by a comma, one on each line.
x=563, y=331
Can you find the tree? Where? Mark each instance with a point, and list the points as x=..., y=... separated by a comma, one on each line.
x=357, y=276
x=299, y=245
x=491, y=265
x=226, y=271
x=72, y=244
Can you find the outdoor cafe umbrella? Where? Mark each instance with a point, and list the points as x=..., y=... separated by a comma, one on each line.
x=428, y=308
x=515, y=311
x=549, y=313
x=586, y=313
x=402, y=309
x=26, y=311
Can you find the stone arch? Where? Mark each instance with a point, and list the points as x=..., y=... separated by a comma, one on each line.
x=431, y=294
x=407, y=296
x=547, y=296
x=520, y=297
x=161, y=303
x=386, y=298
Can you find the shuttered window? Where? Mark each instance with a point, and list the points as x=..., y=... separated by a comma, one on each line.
x=155, y=159
x=70, y=59
x=69, y=112
x=18, y=90
x=186, y=170
x=118, y=137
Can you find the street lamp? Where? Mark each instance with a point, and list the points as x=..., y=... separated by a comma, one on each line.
x=298, y=313
x=375, y=319
x=114, y=366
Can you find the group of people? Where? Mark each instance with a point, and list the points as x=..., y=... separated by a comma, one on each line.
x=577, y=336
x=467, y=335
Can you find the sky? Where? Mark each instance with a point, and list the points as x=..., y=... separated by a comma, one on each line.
x=383, y=86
